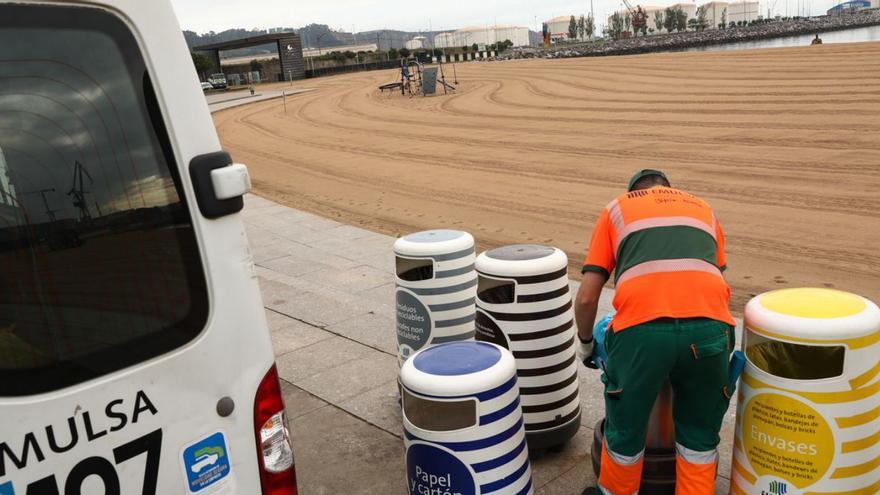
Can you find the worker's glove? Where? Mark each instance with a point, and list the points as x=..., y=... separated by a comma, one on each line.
x=585, y=352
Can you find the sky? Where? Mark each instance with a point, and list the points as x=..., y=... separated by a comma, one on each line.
x=411, y=15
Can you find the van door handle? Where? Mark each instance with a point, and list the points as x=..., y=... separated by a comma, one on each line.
x=219, y=184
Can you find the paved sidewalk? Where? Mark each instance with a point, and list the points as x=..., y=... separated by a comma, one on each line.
x=328, y=289
x=222, y=101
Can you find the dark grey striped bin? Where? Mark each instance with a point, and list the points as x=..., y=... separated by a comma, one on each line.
x=524, y=304
x=436, y=286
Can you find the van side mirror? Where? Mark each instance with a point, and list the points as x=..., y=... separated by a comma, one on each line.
x=219, y=184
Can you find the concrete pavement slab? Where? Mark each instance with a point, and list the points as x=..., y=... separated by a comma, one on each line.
x=296, y=335
x=306, y=362
x=379, y=407
x=349, y=232
x=359, y=249
x=337, y=453
x=322, y=306
x=373, y=329
x=575, y=455
x=350, y=379
x=298, y=402
x=381, y=261
x=355, y=279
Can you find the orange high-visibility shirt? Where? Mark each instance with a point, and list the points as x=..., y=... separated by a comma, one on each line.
x=666, y=250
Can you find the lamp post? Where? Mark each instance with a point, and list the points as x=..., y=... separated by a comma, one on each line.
x=319, y=42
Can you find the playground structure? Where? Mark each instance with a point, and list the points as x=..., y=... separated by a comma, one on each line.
x=416, y=79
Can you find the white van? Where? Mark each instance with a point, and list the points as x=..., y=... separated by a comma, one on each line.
x=134, y=351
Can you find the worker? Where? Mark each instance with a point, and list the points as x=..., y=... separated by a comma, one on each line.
x=665, y=249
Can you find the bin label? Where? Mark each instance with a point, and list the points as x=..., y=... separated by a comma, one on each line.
x=431, y=470
x=488, y=331
x=413, y=323
x=787, y=441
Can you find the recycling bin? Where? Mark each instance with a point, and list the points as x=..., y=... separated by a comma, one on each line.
x=463, y=428
x=524, y=304
x=436, y=286
x=809, y=399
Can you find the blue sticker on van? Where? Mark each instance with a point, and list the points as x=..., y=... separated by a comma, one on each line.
x=206, y=462
x=7, y=489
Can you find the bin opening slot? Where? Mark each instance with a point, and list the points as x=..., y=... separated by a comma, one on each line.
x=415, y=269
x=496, y=291
x=794, y=361
x=439, y=415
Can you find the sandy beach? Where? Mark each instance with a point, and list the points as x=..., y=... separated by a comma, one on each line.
x=784, y=143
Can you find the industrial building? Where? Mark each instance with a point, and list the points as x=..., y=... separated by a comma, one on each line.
x=746, y=11
x=726, y=12
x=417, y=43
x=651, y=10
x=853, y=6
x=558, y=27
x=716, y=13
x=689, y=8
x=487, y=35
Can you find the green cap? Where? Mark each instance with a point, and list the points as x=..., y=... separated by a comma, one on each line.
x=644, y=173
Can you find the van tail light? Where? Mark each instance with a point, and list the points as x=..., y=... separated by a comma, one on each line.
x=277, y=474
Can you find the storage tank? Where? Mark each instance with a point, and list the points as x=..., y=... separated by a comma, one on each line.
x=463, y=428
x=524, y=304
x=809, y=399
x=436, y=285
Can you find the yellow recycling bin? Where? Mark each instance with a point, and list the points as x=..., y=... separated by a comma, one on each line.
x=808, y=411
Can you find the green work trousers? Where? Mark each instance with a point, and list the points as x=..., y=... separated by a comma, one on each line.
x=693, y=354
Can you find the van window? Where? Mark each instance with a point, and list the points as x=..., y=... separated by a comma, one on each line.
x=794, y=361
x=99, y=266
x=439, y=415
x=495, y=291
x=414, y=270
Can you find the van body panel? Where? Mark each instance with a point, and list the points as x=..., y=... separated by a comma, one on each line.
x=175, y=393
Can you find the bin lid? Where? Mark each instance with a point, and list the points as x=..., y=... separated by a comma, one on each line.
x=430, y=243
x=458, y=368
x=827, y=315
x=521, y=260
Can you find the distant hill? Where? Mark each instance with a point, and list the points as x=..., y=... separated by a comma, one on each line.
x=315, y=34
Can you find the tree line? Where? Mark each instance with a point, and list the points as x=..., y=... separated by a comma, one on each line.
x=581, y=27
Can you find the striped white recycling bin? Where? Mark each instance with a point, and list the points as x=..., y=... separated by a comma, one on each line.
x=524, y=304
x=436, y=285
x=808, y=410
x=462, y=422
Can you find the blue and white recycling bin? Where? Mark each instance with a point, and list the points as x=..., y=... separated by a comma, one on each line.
x=436, y=286
x=462, y=422
x=524, y=304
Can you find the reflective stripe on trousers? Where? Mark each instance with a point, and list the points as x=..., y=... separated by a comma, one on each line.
x=620, y=474
x=694, y=471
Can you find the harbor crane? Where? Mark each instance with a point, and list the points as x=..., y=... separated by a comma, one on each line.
x=42, y=192
x=78, y=191
x=639, y=18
